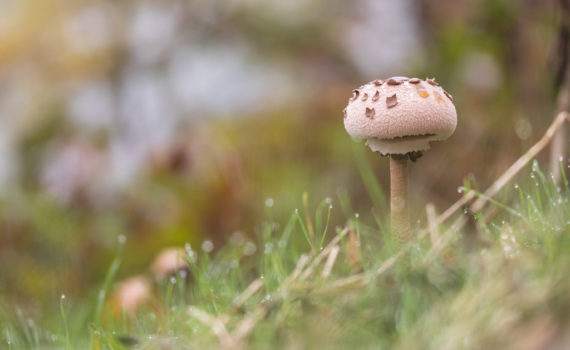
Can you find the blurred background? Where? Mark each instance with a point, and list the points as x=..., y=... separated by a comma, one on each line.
x=173, y=122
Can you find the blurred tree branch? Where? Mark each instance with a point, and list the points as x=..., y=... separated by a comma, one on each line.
x=562, y=47
x=561, y=86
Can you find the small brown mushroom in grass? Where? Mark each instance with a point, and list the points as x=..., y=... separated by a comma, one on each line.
x=409, y=114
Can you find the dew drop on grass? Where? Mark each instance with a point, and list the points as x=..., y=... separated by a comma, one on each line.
x=207, y=246
x=560, y=158
x=532, y=175
x=328, y=200
x=269, y=202
x=516, y=186
x=189, y=251
x=460, y=190
x=249, y=248
x=237, y=238
x=357, y=215
x=122, y=239
x=296, y=210
x=63, y=297
x=173, y=280
x=330, y=206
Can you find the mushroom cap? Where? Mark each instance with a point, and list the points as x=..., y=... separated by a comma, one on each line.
x=400, y=115
x=168, y=262
x=132, y=293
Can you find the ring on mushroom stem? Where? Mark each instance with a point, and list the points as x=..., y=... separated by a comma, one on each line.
x=400, y=120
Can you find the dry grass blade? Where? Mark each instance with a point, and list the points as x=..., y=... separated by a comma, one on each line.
x=301, y=263
x=217, y=325
x=330, y=262
x=253, y=288
x=323, y=254
x=432, y=223
x=340, y=286
x=246, y=326
x=444, y=239
x=353, y=251
x=394, y=258
x=361, y=280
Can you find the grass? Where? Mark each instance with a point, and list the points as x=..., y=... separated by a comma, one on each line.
x=499, y=281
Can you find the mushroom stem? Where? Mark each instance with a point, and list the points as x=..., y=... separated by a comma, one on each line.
x=400, y=215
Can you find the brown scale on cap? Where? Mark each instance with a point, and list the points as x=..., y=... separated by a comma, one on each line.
x=393, y=81
x=414, y=81
x=432, y=82
x=376, y=96
x=391, y=101
x=355, y=94
x=344, y=113
x=364, y=97
x=448, y=95
x=378, y=82
x=370, y=112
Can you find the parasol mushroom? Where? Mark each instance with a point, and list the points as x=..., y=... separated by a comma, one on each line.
x=399, y=117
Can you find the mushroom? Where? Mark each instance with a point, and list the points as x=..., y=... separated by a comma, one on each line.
x=169, y=262
x=407, y=115
x=131, y=294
